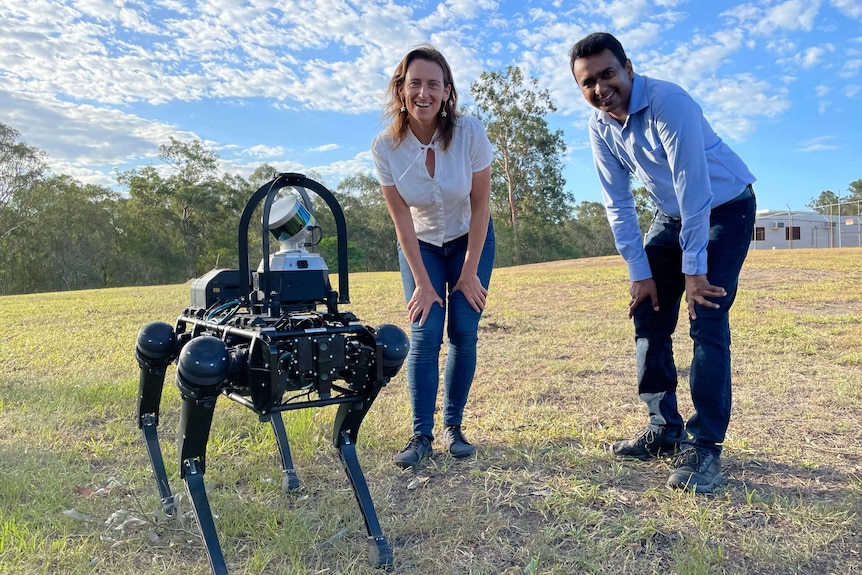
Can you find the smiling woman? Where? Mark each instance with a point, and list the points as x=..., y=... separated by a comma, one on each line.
x=446, y=242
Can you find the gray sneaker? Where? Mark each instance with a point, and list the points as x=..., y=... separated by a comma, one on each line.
x=456, y=443
x=417, y=449
x=650, y=442
x=696, y=469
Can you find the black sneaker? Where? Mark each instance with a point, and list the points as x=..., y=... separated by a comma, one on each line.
x=650, y=442
x=418, y=448
x=454, y=441
x=695, y=469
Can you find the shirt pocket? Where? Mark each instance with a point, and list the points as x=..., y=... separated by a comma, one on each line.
x=654, y=155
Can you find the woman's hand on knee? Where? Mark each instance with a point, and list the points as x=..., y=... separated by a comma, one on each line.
x=473, y=290
x=421, y=302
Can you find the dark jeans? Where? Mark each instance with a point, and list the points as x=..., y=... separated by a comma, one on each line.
x=462, y=327
x=731, y=227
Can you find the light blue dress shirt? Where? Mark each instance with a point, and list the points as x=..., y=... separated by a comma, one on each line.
x=686, y=168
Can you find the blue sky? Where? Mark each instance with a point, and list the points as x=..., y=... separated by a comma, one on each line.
x=100, y=84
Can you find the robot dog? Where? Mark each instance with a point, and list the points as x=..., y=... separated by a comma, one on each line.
x=272, y=340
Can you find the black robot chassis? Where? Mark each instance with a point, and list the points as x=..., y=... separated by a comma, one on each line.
x=272, y=340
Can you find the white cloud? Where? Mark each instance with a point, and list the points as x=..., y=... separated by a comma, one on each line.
x=814, y=55
x=623, y=13
x=763, y=20
x=820, y=93
x=852, y=8
x=640, y=38
x=782, y=47
x=689, y=63
x=851, y=68
x=818, y=144
x=332, y=174
x=92, y=82
x=84, y=133
x=743, y=14
x=733, y=105
x=263, y=152
x=788, y=15
x=325, y=148
x=460, y=10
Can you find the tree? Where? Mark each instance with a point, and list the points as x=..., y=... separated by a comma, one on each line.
x=644, y=208
x=70, y=244
x=369, y=225
x=149, y=234
x=81, y=248
x=824, y=203
x=370, y=231
x=219, y=246
x=528, y=200
x=592, y=232
x=171, y=224
x=262, y=174
x=830, y=203
x=21, y=169
x=193, y=194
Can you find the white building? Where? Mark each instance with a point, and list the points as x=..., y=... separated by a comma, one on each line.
x=779, y=230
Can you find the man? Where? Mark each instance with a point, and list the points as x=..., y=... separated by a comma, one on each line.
x=697, y=243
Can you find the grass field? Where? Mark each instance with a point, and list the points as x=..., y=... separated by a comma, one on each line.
x=555, y=386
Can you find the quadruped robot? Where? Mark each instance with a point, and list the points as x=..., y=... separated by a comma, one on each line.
x=272, y=340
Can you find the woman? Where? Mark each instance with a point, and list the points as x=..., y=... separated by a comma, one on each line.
x=434, y=167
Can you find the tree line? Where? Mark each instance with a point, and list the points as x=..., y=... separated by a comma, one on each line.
x=174, y=221
x=829, y=203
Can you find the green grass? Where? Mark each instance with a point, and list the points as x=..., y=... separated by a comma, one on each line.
x=555, y=385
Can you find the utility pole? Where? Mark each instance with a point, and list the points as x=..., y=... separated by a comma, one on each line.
x=789, y=230
x=839, y=219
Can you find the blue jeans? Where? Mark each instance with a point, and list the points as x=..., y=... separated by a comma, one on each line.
x=731, y=227
x=443, y=265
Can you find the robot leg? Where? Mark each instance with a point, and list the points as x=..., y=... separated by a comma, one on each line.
x=289, y=479
x=202, y=368
x=155, y=350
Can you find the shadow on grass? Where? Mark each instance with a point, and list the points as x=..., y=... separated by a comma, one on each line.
x=580, y=510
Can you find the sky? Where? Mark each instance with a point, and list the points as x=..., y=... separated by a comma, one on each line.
x=99, y=85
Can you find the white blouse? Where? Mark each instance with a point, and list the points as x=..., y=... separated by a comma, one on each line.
x=440, y=205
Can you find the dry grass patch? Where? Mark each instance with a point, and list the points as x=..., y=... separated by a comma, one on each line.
x=555, y=385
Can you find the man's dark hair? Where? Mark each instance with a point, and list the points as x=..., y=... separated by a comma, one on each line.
x=596, y=43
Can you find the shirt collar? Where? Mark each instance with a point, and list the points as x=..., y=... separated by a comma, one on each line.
x=637, y=102
x=416, y=141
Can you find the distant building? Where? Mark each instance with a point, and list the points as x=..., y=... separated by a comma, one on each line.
x=781, y=230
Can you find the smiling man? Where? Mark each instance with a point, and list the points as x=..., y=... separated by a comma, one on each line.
x=655, y=131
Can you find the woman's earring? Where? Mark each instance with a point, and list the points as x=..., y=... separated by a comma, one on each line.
x=403, y=107
x=443, y=113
